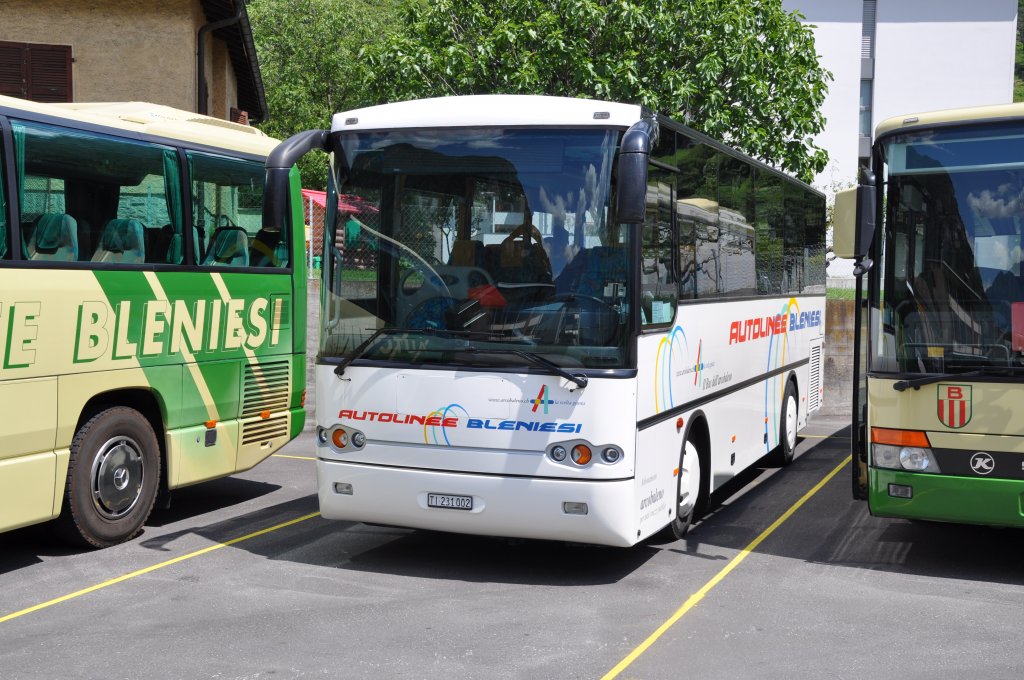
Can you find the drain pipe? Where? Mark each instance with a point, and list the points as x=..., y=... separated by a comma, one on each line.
x=201, y=103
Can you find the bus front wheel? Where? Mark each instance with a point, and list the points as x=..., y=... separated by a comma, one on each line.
x=113, y=477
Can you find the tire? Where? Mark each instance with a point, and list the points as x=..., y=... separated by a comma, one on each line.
x=113, y=478
x=689, y=483
x=787, y=427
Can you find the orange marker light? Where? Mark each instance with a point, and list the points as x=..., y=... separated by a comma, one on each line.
x=340, y=438
x=581, y=454
x=882, y=435
x=679, y=423
x=264, y=414
x=210, y=424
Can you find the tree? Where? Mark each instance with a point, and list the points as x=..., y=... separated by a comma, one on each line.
x=744, y=71
x=309, y=57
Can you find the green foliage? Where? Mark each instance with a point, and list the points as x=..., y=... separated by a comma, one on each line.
x=744, y=71
x=1018, y=62
x=309, y=57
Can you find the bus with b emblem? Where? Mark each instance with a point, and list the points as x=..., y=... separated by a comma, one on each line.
x=152, y=331
x=936, y=228
x=555, y=318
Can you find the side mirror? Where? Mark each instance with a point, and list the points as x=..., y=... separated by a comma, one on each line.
x=631, y=190
x=853, y=226
x=279, y=164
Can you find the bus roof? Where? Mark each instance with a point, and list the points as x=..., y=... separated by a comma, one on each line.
x=488, y=110
x=948, y=117
x=149, y=119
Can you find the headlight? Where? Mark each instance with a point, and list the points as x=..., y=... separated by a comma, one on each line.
x=912, y=458
x=611, y=454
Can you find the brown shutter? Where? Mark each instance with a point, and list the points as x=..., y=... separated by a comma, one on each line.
x=38, y=72
x=12, y=69
x=49, y=73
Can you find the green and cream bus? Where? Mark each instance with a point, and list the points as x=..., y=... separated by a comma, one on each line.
x=937, y=230
x=151, y=330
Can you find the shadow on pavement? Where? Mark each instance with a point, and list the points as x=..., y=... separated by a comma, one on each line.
x=832, y=528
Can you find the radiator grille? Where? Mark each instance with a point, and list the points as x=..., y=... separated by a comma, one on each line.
x=814, y=396
x=266, y=388
x=264, y=430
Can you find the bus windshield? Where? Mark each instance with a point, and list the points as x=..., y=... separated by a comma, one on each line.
x=469, y=239
x=950, y=253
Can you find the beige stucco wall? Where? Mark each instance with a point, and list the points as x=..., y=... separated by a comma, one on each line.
x=221, y=83
x=126, y=50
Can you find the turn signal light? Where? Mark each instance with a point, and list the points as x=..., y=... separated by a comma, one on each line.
x=581, y=454
x=340, y=438
x=882, y=435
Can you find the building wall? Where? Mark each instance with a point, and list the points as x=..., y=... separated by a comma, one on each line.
x=837, y=35
x=122, y=49
x=929, y=54
x=221, y=84
x=127, y=50
x=938, y=54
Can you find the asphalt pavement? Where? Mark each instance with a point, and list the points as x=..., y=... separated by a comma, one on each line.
x=785, y=577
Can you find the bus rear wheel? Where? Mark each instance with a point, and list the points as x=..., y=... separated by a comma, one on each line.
x=787, y=427
x=688, y=485
x=113, y=477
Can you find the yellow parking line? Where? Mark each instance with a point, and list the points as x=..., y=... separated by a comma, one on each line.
x=699, y=595
x=281, y=455
x=146, y=570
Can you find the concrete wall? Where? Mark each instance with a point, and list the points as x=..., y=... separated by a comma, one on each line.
x=838, y=367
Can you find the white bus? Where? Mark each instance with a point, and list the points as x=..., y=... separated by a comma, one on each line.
x=555, y=318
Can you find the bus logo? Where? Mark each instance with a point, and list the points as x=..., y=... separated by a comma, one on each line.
x=982, y=463
x=954, y=405
x=542, y=399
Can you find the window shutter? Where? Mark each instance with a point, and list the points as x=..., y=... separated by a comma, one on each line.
x=41, y=73
x=12, y=69
x=49, y=73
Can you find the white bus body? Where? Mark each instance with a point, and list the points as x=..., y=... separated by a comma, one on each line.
x=461, y=433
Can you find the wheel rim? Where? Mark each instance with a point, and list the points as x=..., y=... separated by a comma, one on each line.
x=689, y=482
x=791, y=422
x=117, y=474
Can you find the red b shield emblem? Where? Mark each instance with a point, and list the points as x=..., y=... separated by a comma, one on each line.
x=954, y=405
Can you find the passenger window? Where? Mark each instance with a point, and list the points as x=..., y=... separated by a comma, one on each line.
x=5, y=233
x=96, y=198
x=227, y=210
x=658, y=293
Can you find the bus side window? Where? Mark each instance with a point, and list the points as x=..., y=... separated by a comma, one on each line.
x=96, y=201
x=5, y=233
x=227, y=195
x=658, y=293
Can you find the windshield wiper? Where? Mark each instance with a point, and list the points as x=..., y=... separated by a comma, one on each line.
x=358, y=352
x=916, y=383
x=537, y=360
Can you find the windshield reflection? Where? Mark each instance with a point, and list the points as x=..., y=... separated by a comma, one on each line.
x=484, y=236
x=952, y=243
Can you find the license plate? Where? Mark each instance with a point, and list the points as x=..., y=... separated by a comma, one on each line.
x=449, y=501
